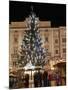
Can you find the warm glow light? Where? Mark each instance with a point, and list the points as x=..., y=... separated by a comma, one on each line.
x=29, y=66
x=52, y=68
x=61, y=59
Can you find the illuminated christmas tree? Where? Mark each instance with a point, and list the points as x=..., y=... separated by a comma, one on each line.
x=31, y=48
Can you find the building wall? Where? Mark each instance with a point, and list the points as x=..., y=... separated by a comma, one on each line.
x=51, y=38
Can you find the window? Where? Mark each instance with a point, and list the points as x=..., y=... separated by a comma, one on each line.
x=15, y=35
x=46, y=30
x=56, y=51
x=63, y=39
x=14, y=63
x=15, y=50
x=14, y=56
x=46, y=39
x=64, y=50
x=16, y=40
x=47, y=50
x=56, y=41
x=16, y=31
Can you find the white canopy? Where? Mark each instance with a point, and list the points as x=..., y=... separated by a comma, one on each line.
x=29, y=66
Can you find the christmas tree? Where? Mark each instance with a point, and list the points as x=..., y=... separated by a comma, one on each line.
x=31, y=48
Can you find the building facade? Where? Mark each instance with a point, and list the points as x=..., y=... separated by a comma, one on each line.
x=53, y=39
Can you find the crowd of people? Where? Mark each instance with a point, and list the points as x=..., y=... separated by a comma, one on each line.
x=19, y=82
x=40, y=80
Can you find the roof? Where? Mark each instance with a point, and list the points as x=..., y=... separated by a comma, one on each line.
x=23, y=24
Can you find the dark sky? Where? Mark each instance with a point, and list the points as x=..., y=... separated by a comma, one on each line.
x=56, y=13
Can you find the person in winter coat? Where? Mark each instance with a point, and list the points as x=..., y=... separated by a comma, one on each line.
x=38, y=79
x=26, y=80
x=35, y=79
x=58, y=79
x=45, y=78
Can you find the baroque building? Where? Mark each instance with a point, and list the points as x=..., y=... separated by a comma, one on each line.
x=53, y=39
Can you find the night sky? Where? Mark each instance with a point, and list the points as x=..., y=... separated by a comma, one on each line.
x=56, y=13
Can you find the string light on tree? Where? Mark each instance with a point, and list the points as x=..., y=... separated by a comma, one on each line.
x=31, y=44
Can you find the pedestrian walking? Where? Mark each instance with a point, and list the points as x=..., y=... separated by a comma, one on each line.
x=26, y=81
x=45, y=78
x=58, y=79
x=49, y=79
x=35, y=79
x=38, y=79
